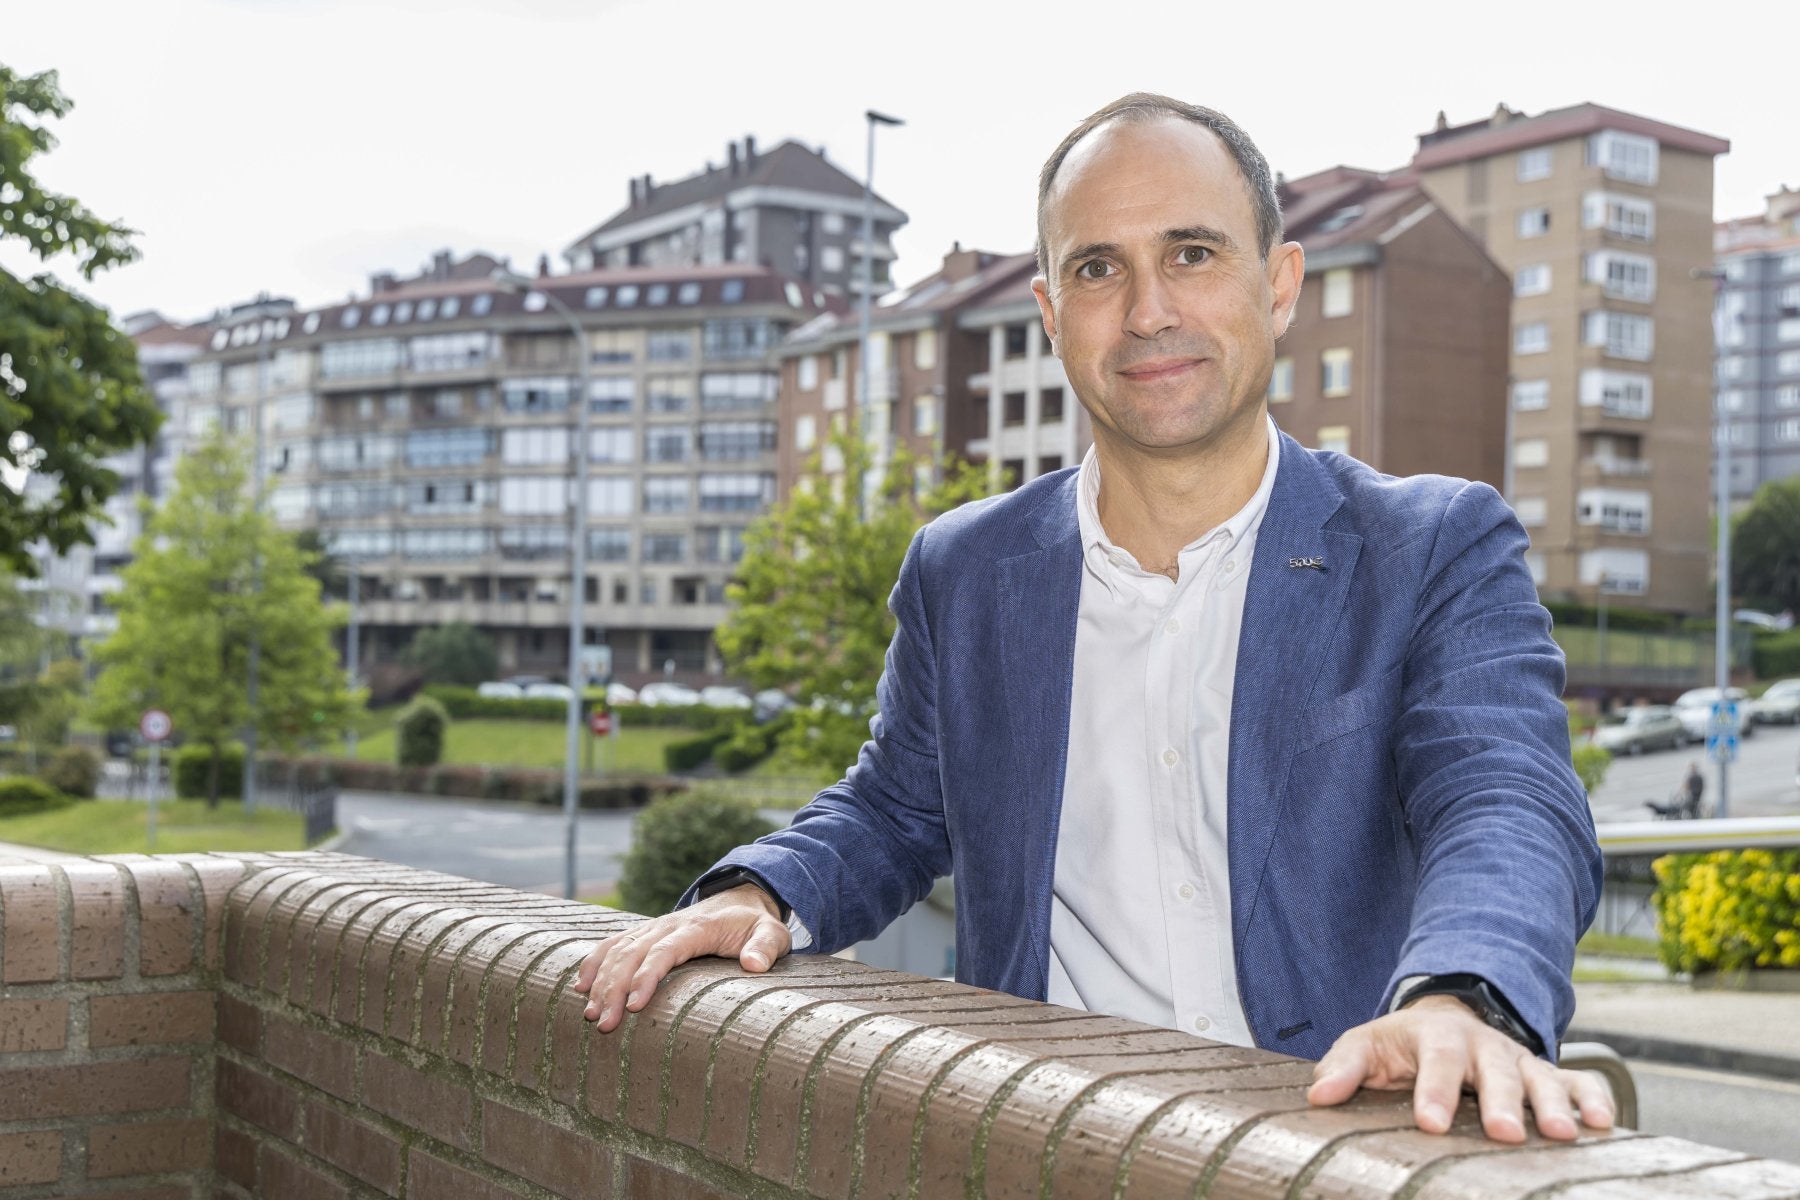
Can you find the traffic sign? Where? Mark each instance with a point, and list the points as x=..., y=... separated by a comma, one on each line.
x=1722, y=747
x=155, y=725
x=1725, y=715
x=600, y=722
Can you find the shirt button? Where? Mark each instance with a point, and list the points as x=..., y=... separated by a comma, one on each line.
x=1185, y=891
x=1170, y=758
x=1202, y=1024
x=1230, y=564
x=1173, y=626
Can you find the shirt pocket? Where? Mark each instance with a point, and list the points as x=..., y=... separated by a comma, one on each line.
x=1370, y=704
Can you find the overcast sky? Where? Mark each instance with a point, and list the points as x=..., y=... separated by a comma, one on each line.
x=296, y=146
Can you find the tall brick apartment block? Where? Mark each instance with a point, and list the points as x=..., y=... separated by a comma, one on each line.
x=1759, y=342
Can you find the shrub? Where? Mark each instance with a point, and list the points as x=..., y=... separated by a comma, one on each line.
x=684, y=754
x=73, y=771
x=1565, y=613
x=23, y=795
x=191, y=764
x=1777, y=655
x=748, y=745
x=421, y=735
x=677, y=839
x=1728, y=909
x=464, y=703
x=1591, y=763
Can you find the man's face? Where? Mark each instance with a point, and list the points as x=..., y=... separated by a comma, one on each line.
x=1157, y=298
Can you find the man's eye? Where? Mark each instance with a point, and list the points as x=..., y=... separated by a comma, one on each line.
x=1194, y=255
x=1094, y=268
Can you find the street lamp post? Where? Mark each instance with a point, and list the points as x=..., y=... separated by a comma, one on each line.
x=1721, y=429
x=254, y=666
x=868, y=279
x=577, y=572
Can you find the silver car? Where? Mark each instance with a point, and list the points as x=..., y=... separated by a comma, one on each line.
x=1780, y=705
x=1694, y=709
x=1649, y=727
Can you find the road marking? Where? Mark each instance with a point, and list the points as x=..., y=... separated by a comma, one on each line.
x=1706, y=1075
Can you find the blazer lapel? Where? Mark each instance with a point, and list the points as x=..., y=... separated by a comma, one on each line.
x=1290, y=612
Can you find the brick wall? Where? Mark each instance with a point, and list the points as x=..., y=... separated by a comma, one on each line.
x=319, y=1026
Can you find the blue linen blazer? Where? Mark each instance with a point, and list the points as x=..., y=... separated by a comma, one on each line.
x=1400, y=795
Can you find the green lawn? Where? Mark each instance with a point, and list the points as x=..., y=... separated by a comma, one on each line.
x=1616, y=945
x=497, y=743
x=120, y=827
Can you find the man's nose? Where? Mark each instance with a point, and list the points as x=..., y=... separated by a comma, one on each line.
x=1151, y=312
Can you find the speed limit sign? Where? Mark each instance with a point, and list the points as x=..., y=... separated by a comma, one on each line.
x=155, y=725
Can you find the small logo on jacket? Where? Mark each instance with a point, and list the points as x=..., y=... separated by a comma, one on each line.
x=1317, y=564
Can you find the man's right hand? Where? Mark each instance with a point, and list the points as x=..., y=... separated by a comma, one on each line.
x=620, y=974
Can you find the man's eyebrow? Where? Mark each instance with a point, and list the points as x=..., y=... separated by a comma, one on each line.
x=1200, y=233
x=1092, y=250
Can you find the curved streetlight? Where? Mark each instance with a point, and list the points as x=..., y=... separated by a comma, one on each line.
x=511, y=281
x=863, y=400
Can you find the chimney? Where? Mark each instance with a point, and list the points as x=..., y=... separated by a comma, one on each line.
x=543, y=266
x=649, y=187
x=440, y=265
x=749, y=151
x=959, y=264
x=631, y=185
x=381, y=281
x=731, y=159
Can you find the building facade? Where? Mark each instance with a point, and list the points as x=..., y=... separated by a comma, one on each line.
x=428, y=432
x=1600, y=217
x=1758, y=329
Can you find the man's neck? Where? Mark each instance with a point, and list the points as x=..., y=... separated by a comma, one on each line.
x=1153, y=505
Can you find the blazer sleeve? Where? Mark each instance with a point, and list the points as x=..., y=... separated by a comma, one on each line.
x=870, y=846
x=1509, y=869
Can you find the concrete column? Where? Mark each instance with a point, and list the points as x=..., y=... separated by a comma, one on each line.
x=996, y=400
x=1034, y=351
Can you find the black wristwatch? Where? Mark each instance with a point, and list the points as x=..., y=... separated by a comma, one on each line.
x=726, y=878
x=1487, y=1002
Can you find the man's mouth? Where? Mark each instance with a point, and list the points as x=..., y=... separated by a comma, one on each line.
x=1158, y=369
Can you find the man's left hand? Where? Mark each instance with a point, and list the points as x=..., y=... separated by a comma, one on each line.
x=1437, y=1045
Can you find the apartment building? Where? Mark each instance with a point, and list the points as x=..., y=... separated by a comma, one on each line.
x=1758, y=330
x=1600, y=217
x=428, y=431
x=1397, y=353
x=789, y=209
x=958, y=365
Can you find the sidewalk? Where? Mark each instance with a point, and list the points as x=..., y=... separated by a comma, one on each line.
x=1756, y=1033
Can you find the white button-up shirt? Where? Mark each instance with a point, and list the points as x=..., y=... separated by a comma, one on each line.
x=1140, y=918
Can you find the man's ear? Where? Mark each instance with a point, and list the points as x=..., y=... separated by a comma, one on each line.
x=1287, y=270
x=1040, y=288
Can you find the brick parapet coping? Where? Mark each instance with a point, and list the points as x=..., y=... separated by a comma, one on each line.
x=204, y=1027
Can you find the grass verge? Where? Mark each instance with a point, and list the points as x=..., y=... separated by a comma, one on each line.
x=1616, y=945
x=499, y=743
x=122, y=827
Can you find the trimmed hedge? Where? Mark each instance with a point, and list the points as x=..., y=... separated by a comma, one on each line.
x=25, y=795
x=748, y=745
x=189, y=765
x=1776, y=655
x=419, y=738
x=73, y=771
x=463, y=703
x=521, y=784
x=685, y=754
x=1728, y=910
x=676, y=840
x=1565, y=613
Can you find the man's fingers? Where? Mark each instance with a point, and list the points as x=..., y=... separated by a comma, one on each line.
x=1549, y=1092
x=1342, y=1070
x=768, y=942
x=1593, y=1097
x=1503, y=1072
x=1437, y=1089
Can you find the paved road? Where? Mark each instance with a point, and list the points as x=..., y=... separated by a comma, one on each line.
x=1762, y=780
x=513, y=845
x=1738, y=1112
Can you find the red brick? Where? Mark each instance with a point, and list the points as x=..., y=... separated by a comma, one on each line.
x=286, y=1178
x=33, y=1025
x=437, y=972
x=463, y=1040
x=147, y=1148
x=406, y=971
x=30, y=1157
x=240, y=1025
x=32, y=929
x=258, y=1099
x=1531, y=1167
x=234, y=1156
x=151, y=1018
x=167, y=917
x=376, y=981
x=170, y=1191
x=322, y=954
x=97, y=929
x=543, y=990
x=510, y=1007
x=365, y=1152
x=94, y=1089
x=320, y=1059
x=648, y=1181
x=429, y=1177
x=278, y=930
x=247, y=924
x=443, y=1108
x=302, y=939
x=351, y=946
x=216, y=878
x=571, y=1163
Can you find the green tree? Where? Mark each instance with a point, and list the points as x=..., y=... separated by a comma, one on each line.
x=456, y=653
x=56, y=701
x=809, y=603
x=189, y=602
x=22, y=646
x=70, y=390
x=1765, y=548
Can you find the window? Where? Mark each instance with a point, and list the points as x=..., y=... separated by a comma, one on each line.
x=1531, y=510
x=737, y=390
x=831, y=259
x=354, y=452
x=378, y=315
x=1534, y=222
x=719, y=543
x=289, y=503
x=595, y=297
x=734, y=441
x=1050, y=405
x=1731, y=366
x=611, y=393
x=656, y=295
x=1529, y=395
x=529, y=542
x=1339, y=289
x=527, y=496
x=925, y=419
x=1787, y=396
x=1334, y=367
x=1627, y=156
x=610, y=496
x=1619, y=571
x=1016, y=338
x=1788, y=330
x=1531, y=452
x=369, y=356
x=609, y=545
x=665, y=547
x=1622, y=335
x=1012, y=410
x=447, y=447
x=1626, y=217
x=807, y=373
x=1335, y=438
x=1281, y=380
x=925, y=349
x=738, y=337
x=689, y=293
x=736, y=493
x=731, y=291
x=444, y=543
x=1788, y=362
x=534, y=447
x=448, y=496
x=1620, y=393
x=1789, y=264
x=362, y=543
x=1621, y=274
x=1787, y=431
x=610, y=445
x=449, y=307
x=354, y=499
x=669, y=345
x=669, y=393
x=666, y=494
x=608, y=347
x=549, y=394
x=626, y=296
x=1531, y=338
x=1613, y=509
x=1539, y=571
x=294, y=412
x=1731, y=400
x=666, y=443
x=397, y=406
x=1534, y=164
x=1532, y=281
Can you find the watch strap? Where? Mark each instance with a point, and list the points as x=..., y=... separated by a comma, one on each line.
x=1486, y=1001
x=726, y=878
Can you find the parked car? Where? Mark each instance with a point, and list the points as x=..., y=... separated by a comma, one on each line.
x=719, y=696
x=1694, y=710
x=1780, y=705
x=665, y=693
x=496, y=690
x=1648, y=727
x=771, y=703
x=618, y=693
x=548, y=691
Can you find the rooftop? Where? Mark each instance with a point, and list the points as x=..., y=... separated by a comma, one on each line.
x=1509, y=130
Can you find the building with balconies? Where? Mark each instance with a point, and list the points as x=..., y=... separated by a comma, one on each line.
x=1758, y=329
x=428, y=432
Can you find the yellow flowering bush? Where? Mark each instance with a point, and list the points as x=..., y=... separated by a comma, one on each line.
x=1729, y=909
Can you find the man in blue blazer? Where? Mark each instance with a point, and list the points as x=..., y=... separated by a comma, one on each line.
x=1372, y=776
